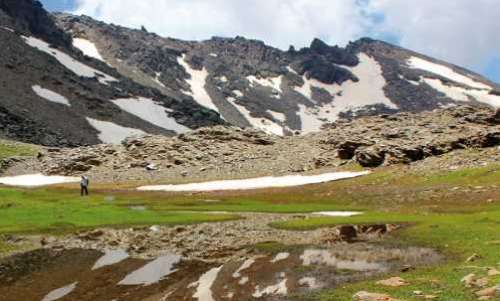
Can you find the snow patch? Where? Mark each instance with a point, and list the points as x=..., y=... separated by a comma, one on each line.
x=444, y=71
x=238, y=93
x=110, y=132
x=204, y=289
x=223, y=79
x=50, y=95
x=70, y=63
x=338, y=213
x=289, y=68
x=157, y=79
x=277, y=115
x=271, y=82
x=257, y=183
x=7, y=28
x=260, y=123
x=463, y=94
x=88, y=48
x=213, y=54
x=369, y=90
x=197, y=82
x=37, y=180
x=150, y=111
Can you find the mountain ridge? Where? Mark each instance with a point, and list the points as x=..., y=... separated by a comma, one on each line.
x=136, y=82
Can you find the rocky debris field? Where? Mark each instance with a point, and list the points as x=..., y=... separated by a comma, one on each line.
x=212, y=241
x=228, y=152
x=193, y=262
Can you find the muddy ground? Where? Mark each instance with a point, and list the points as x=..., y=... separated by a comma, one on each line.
x=205, y=262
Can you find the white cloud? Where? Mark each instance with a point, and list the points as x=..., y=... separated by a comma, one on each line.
x=460, y=31
x=278, y=22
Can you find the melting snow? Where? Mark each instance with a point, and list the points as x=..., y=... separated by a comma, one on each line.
x=263, y=124
x=277, y=115
x=243, y=281
x=110, y=257
x=462, y=94
x=50, y=95
x=256, y=183
x=152, y=272
x=7, y=28
x=70, y=63
x=338, y=213
x=88, y=48
x=150, y=111
x=157, y=79
x=291, y=70
x=447, y=72
x=60, y=292
x=36, y=180
x=197, y=83
x=246, y=264
x=271, y=82
x=112, y=133
x=238, y=93
x=204, y=289
x=348, y=96
x=280, y=257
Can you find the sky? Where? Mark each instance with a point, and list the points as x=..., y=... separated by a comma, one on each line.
x=463, y=32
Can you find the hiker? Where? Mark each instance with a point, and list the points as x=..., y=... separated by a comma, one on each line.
x=84, y=185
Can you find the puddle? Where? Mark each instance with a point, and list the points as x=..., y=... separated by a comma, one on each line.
x=338, y=213
x=325, y=257
x=152, y=272
x=204, y=289
x=301, y=270
x=60, y=292
x=110, y=257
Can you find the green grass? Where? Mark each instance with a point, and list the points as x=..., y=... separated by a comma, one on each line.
x=46, y=210
x=11, y=149
x=458, y=213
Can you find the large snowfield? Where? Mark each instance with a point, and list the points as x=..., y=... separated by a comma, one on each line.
x=36, y=180
x=256, y=183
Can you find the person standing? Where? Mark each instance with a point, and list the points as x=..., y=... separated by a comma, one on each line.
x=84, y=186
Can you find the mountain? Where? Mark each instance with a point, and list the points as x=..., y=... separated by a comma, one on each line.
x=52, y=94
x=71, y=80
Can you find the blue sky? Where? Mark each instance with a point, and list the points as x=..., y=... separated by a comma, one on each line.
x=444, y=29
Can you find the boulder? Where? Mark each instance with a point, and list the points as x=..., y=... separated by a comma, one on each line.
x=370, y=157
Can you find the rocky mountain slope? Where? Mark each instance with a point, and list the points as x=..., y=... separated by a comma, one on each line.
x=72, y=81
x=282, y=92
x=52, y=94
x=229, y=152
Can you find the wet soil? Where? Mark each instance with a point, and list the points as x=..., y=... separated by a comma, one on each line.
x=34, y=275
